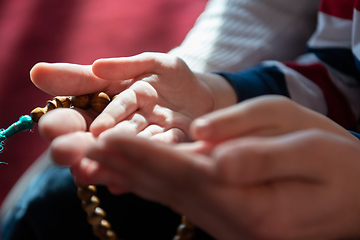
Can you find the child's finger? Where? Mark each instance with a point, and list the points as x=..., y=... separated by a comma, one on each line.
x=130, y=67
x=138, y=96
x=159, y=134
x=171, y=136
x=150, y=131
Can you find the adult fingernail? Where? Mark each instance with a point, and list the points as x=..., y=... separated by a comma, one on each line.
x=201, y=129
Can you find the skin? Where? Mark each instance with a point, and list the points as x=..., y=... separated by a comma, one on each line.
x=248, y=188
x=274, y=181
x=264, y=169
x=159, y=96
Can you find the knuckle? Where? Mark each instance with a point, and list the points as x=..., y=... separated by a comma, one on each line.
x=144, y=89
x=237, y=160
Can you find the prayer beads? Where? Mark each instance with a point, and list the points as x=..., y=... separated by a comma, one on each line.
x=86, y=193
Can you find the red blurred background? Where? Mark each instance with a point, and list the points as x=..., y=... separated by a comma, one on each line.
x=76, y=31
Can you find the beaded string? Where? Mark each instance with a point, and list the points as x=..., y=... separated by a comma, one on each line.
x=24, y=123
x=86, y=193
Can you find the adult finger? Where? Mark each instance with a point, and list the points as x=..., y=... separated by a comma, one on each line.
x=293, y=181
x=69, y=149
x=71, y=79
x=261, y=116
x=256, y=114
x=298, y=156
x=62, y=121
x=87, y=171
x=200, y=147
x=152, y=170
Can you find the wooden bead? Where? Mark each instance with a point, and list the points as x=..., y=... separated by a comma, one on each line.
x=186, y=222
x=51, y=105
x=99, y=101
x=110, y=235
x=63, y=101
x=101, y=229
x=82, y=101
x=115, y=96
x=95, y=218
x=185, y=233
x=85, y=194
x=58, y=103
x=37, y=113
x=89, y=206
x=105, y=224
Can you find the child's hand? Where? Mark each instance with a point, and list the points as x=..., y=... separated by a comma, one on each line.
x=163, y=99
x=159, y=96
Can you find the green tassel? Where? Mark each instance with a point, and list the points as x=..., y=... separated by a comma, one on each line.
x=24, y=123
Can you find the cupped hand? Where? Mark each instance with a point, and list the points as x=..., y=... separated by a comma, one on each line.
x=267, y=115
x=158, y=95
x=69, y=80
x=263, y=180
x=301, y=185
x=161, y=103
x=158, y=98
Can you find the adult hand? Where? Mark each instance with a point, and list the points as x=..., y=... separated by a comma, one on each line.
x=262, y=116
x=290, y=181
x=64, y=79
x=302, y=185
x=162, y=95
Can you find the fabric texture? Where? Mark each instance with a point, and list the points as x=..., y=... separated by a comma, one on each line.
x=52, y=210
x=235, y=34
x=326, y=79
x=312, y=80
x=73, y=31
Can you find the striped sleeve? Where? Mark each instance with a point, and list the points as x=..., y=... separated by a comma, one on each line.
x=236, y=34
x=308, y=81
x=327, y=78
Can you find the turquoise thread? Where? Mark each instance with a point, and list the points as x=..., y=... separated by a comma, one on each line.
x=25, y=123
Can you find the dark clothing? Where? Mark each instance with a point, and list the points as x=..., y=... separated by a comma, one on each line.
x=50, y=209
